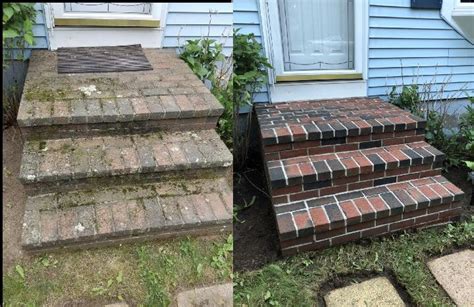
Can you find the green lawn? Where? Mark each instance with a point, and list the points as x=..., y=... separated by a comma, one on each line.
x=143, y=274
x=295, y=281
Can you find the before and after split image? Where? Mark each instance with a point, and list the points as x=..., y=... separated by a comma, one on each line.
x=245, y=153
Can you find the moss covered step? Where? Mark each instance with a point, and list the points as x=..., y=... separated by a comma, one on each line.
x=324, y=174
x=325, y=221
x=169, y=97
x=113, y=215
x=322, y=126
x=57, y=164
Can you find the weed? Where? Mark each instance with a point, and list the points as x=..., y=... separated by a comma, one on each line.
x=238, y=209
x=296, y=281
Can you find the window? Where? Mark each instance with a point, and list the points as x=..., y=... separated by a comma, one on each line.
x=460, y=15
x=108, y=7
x=317, y=35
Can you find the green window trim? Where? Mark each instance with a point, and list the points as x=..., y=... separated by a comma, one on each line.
x=319, y=77
x=102, y=22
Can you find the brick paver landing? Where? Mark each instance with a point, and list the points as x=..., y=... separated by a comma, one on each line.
x=111, y=157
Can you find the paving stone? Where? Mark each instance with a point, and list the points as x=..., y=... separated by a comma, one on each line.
x=373, y=292
x=455, y=273
x=215, y=296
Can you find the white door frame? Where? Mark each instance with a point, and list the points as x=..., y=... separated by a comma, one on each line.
x=301, y=90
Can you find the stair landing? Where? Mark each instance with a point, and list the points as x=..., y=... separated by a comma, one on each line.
x=344, y=169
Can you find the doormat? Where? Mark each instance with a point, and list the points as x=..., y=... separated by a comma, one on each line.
x=102, y=59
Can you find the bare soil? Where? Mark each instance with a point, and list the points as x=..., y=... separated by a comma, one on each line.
x=255, y=238
x=13, y=197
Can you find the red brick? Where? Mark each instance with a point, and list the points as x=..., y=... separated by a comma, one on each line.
x=397, y=171
x=345, y=147
x=417, y=138
x=364, y=164
x=351, y=212
x=394, y=141
x=279, y=199
x=286, y=227
x=277, y=147
x=298, y=133
x=431, y=173
x=426, y=218
x=390, y=219
x=358, y=139
x=320, y=150
x=302, y=220
x=365, y=208
x=373, y=175
x=415, y=213
x=295, y=242
x=360, y=185
x=320, y=220
x=361, y=226
x=379, y=136
x=272, y=156
x=293, y=153
x=332, y=190
x=408, y=177
x=402, y=225
x=376, y=231
x=351, y=166
x=345, y=238
x=105, y=223
x=399, y=186
x=314, y=246
x=292, y=171
x=330, y=233
x=287, y=190
x=379, y=205
x=304, y=195
x=306, y=144
x=345, y=180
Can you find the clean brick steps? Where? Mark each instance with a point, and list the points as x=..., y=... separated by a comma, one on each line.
x=169, y=97
x=315, y=127
x=59, y=164
x=119, y=214
x=318, y=175
x=326, y=161
x=326, y=221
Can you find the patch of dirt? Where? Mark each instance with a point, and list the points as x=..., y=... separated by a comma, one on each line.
x=255, y=236
x=13, y=197
x=345, y=280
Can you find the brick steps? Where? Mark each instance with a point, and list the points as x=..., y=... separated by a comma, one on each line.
x=114, y=157
x=102, y=215
x=326, y=221
x=318, y=175
x=344, y=169
x=59, y=164
x=170, y=97
x=316, y=127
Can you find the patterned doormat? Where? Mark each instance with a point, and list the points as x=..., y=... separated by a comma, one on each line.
x=102, y=59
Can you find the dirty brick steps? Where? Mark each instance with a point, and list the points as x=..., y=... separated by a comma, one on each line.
x=344, y=169
x=111, y=157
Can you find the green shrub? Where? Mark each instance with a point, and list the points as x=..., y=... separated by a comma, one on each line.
x=249, y=75
x=457, y=145
x=205, y=58
x=17, y=27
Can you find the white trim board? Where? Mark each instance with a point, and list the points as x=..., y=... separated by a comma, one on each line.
x=294, y=91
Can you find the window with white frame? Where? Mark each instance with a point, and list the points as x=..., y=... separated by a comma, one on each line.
x=317, y=39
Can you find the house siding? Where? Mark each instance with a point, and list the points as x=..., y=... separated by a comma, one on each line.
x=247, y=18
x=186, y=21
x=40, y=34
x=416, y=46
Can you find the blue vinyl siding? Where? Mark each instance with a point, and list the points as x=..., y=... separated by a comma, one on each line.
x=186, y=21
x=247, y=18
x=416, y=46
x=40, y=34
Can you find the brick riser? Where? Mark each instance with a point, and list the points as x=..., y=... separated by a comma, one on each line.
x=321, y=222
x=119, y=128
x=117, y=180
x=307, y=147
x=424, y=218
x=346, y=184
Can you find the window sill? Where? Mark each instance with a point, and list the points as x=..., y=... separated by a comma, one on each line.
x=104, y=22
x=320, y=77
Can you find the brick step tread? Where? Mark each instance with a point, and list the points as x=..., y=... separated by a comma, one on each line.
x=349, y=210
x=102, y=214
x=314, y=169
x=298, y=121
x=107, y=156
x=169, y=91
x=422, y=218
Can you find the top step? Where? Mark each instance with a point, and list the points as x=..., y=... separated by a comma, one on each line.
x=302, y=121
x=169, y=97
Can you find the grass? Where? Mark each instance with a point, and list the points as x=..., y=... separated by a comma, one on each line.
x=141, y=274
x=405, y=255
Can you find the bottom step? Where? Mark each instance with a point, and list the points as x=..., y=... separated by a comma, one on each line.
x=326, y=221
x=126, y=213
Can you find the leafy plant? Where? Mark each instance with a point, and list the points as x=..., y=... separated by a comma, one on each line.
x=17, y=24
x=249, y=75
x=457, y=145
x=206, y=59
